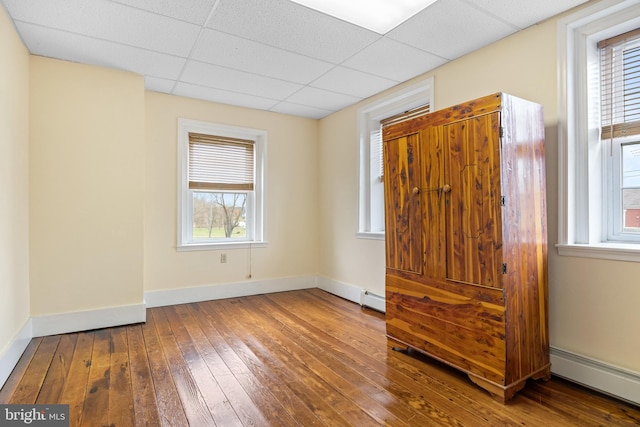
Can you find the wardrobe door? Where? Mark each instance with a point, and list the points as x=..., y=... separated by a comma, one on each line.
x=473, y=231
x=434, y=194
x=403, y=215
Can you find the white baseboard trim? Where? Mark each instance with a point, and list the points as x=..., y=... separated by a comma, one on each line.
x=619, y=382
x=341, y=289
x=228, y=290
x=63, y=323
x=9, y=358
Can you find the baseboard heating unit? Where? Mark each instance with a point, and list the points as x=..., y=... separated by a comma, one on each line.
x=376, y=302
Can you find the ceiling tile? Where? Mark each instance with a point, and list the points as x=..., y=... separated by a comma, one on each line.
x=352, y=82
x=393, y=60
x=194, y=11
x=214, y=76
x=320, y=98
x=223, y=96
x=158, y=85
x=287, y=25
x=72, y=47
x=433, y=30
x=234, y=52
x=526, y=13
x=300, y=110
x=109, y=21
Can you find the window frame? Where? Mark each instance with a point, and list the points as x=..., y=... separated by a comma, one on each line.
x=582, y=220
x=371, y=195
x=185, y=198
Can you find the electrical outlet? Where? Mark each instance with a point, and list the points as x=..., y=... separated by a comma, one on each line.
x=223, y=258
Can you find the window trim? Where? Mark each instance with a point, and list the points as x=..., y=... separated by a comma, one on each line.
x=580, y=232
x=186, y=126
x=408, y=98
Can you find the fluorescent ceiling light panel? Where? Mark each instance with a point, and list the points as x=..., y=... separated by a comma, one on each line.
x=380, y=16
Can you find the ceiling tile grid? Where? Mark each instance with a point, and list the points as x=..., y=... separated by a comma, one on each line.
x=55, y=43
x=433, y=29
x=233, y=52
x=290, y=26
x=273, y=55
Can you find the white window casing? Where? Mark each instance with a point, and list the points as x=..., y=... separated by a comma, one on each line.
x=583, y=221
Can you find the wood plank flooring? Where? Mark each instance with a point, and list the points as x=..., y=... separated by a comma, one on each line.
x=302, y=358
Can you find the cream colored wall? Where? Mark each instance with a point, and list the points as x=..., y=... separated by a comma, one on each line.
x=291, y=198
x=86, y=172
x=593, y=304
x=359, y=262
x=14, y=183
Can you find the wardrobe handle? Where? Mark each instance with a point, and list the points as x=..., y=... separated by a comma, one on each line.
x=416, y=190
x=446, y=188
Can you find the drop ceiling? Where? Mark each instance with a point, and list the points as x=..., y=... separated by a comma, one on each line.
x=273, y=55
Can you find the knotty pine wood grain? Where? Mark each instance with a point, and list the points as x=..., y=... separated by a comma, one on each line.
x=402, y=190
x=303, y=358
x=461, y=111
x=473, y=212
x=473, y=155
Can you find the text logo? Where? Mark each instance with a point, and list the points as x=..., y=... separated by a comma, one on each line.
x=34, y=415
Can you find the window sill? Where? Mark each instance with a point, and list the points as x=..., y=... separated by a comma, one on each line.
x=611, y=251
x=218, y=246
x=370, y=235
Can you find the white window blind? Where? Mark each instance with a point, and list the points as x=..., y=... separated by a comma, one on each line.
x=376, y=152
x=620, y=85
x=220, y=163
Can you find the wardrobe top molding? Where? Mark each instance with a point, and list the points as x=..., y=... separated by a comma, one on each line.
x=465, y=110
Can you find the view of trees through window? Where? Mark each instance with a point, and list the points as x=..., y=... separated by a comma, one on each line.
x=219, y=215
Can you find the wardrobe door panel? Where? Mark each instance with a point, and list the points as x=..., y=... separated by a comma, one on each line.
x=474, y=245
x=433, y=198
x=403, y=219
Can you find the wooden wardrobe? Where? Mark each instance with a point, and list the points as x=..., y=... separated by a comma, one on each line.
x=466, y=240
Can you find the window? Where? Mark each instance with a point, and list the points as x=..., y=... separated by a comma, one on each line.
x=370, y=119
x=220, y=185
x=620, y=132
x=599, y=144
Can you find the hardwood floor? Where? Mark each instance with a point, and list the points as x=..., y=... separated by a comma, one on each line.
x=299, y=358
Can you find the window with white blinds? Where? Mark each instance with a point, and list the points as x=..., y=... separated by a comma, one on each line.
x=220, y=163
x=599, y=132
x=620, y=85
x=221, y=174
x=620, y=132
